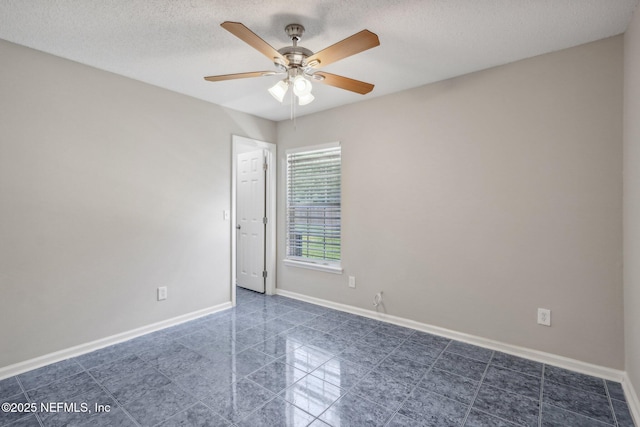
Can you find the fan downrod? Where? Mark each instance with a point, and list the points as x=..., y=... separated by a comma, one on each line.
x=296, y=55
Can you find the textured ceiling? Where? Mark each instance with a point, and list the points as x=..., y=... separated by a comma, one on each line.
x=174, y=43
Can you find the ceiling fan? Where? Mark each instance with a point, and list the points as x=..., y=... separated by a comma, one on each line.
x=297, y=63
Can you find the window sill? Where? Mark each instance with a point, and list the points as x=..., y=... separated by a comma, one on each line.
x=335, y=269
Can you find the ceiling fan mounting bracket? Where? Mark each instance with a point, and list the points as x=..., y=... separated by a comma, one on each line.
x=294, y=31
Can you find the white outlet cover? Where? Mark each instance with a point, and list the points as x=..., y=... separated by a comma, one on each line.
x=162, y=293
x=544, y=316
x=352, y=281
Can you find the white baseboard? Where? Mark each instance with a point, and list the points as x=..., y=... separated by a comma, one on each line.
x=527, y=353
x=632, y=399
x=28, y=365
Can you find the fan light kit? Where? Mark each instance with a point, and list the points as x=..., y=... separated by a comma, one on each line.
x=299, y=65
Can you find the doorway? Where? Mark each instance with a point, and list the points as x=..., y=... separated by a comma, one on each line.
x=253, y=205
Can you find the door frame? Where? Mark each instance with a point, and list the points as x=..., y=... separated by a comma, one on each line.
x=237, y=145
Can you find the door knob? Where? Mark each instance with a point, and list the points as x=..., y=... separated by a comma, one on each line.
x=238, y=227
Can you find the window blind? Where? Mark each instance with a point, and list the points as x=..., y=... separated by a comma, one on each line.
x=313, y=204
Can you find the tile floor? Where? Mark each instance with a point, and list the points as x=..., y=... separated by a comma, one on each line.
x=274, y=361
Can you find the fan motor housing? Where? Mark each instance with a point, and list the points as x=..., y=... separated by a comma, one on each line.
x=296, y=55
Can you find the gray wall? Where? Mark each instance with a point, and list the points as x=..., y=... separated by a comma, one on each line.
x=632, y=199
x=109, y=188
x=472, y=202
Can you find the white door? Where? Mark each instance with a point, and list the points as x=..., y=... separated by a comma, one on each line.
x=250, y=256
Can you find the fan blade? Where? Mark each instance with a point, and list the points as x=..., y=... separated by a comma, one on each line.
x=357, y=43
x=344, y=83
x=253, y=40
x=239, y=76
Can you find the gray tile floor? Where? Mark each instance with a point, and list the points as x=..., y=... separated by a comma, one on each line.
x=274, y=361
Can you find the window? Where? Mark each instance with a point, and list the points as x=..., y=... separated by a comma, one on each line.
x=313, y=207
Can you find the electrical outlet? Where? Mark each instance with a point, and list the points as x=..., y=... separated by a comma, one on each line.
x=352, y=281
x=544, y=316
x=162, y=293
